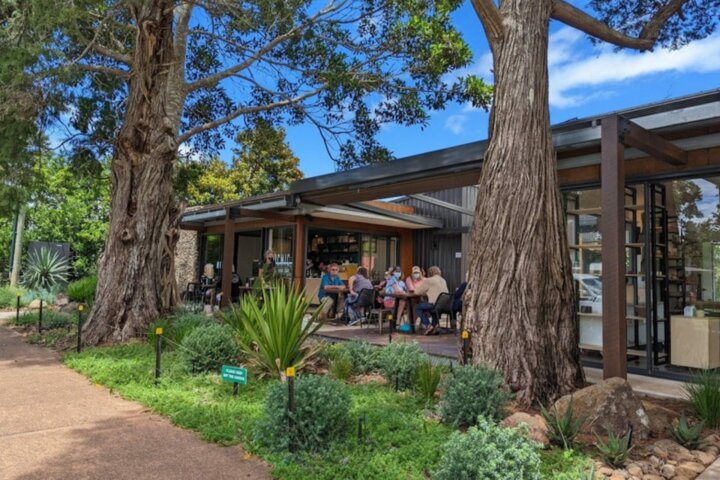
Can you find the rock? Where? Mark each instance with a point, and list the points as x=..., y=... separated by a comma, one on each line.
x=660, y=417
x=35, y=304
x=674, y=451
x=604, y=471
x=619, y=474
x=618, y=477
x=702, y=457
x=635, y=470
x=61, y=300
x=690, y=469
x=712, y=450
x=667, y=471
x=537, y=428
x=652, y=477
x=610, y=404
x=660, y=452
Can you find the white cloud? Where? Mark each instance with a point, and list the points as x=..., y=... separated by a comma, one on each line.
x=571, y=69
x=456, y=123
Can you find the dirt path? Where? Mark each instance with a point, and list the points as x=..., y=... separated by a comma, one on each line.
x=55, y=424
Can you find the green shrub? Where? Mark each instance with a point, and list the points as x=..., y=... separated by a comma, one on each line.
x=685, y=435
x=427, y=379
x=399, y=362
x=8, y=297
x=82, y=290
x=207, y=348
x=51, y=319
x=616, y=450
x=321, y=415
x=45, y=270
x=489, y=452
x=182, y=324
x=273, y=332
x=364, y=357
x=560, y=464
x=341, y=367
x=562, y=430
x=703, y=392
x=471, y=391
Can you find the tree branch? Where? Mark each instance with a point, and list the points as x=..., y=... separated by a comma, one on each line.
x=116, y=72
x=214, y=79
x=248, y=110
x=576, y=18
x=490, y=18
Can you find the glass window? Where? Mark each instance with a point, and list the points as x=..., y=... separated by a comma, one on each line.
x=280, y=243
x=212, y=251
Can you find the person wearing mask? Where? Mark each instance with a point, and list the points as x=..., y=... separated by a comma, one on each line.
x=393, y=286
x=415, y=279
x=432, y=287
x=331, y=290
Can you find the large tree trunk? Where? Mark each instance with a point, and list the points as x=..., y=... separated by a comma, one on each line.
x=520, y=299
x=136, y=280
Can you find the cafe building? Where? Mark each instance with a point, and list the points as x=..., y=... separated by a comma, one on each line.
x=641, y=189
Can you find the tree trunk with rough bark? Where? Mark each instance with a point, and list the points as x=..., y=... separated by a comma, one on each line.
x=136, y=278
x=520, y=300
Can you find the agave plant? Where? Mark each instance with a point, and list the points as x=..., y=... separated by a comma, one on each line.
x=686, y=435
x=45, y=270
x=617, y=448
x=562, y=430
x=273, y=332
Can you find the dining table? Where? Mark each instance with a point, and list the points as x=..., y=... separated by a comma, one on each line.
x=412, y=300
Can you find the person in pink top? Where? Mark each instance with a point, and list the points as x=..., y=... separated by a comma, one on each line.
x=415, y=279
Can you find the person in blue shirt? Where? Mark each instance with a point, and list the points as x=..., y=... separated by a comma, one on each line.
x=331, y=290
x=395, y=285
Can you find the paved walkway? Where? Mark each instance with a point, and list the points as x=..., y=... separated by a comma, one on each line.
x=55, y=424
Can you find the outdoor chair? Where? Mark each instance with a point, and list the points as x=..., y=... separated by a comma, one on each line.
x=365, y=302
x=379, y=311
x=443, y=306
x=192, y=293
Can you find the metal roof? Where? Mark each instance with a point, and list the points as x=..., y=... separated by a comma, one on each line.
x=460, y=165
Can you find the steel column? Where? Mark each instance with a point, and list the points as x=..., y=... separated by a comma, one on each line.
x=612, y=227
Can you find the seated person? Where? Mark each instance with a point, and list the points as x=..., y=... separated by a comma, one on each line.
x=331, y=289
x=415, y=279
x=208, y=285
x=358, y=283
x=395, y=285
x=381, y=288
x=432, y=286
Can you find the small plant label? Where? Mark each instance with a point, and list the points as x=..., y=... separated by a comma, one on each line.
x=234, y=374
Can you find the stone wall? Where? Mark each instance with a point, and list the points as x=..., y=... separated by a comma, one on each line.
x=186, y=259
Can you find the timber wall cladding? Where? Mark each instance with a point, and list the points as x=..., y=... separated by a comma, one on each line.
x=186, y=259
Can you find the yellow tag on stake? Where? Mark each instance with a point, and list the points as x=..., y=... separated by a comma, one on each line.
x=81, y=307
x=158, y=331
x=465, y=334
x=290, y=372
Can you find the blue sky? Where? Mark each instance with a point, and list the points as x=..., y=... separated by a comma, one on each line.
x=584, y=80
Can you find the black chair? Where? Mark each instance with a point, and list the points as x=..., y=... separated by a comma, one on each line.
x=192, y=293
x=443, y=305
x=365, y=301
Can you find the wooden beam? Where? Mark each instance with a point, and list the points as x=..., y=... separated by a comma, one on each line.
x=228, y=258
x=633, y=135
x=299, y=253
x=612, y=228
x=407, y=250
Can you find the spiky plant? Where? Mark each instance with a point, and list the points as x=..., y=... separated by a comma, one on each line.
x=562, y=430
x=45, y=270
x=686, y=435
x=273, y=332
x=617, y=448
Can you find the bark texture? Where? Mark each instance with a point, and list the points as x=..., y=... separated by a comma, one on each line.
x=520, y=300
x=136, y=276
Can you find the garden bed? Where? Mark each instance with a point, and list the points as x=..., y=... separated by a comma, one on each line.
x=400, y=439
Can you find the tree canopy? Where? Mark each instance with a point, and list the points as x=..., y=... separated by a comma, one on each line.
x=343, y=66
x=262, y=163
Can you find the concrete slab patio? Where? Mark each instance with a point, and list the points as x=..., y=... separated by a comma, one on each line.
x=55, y=424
